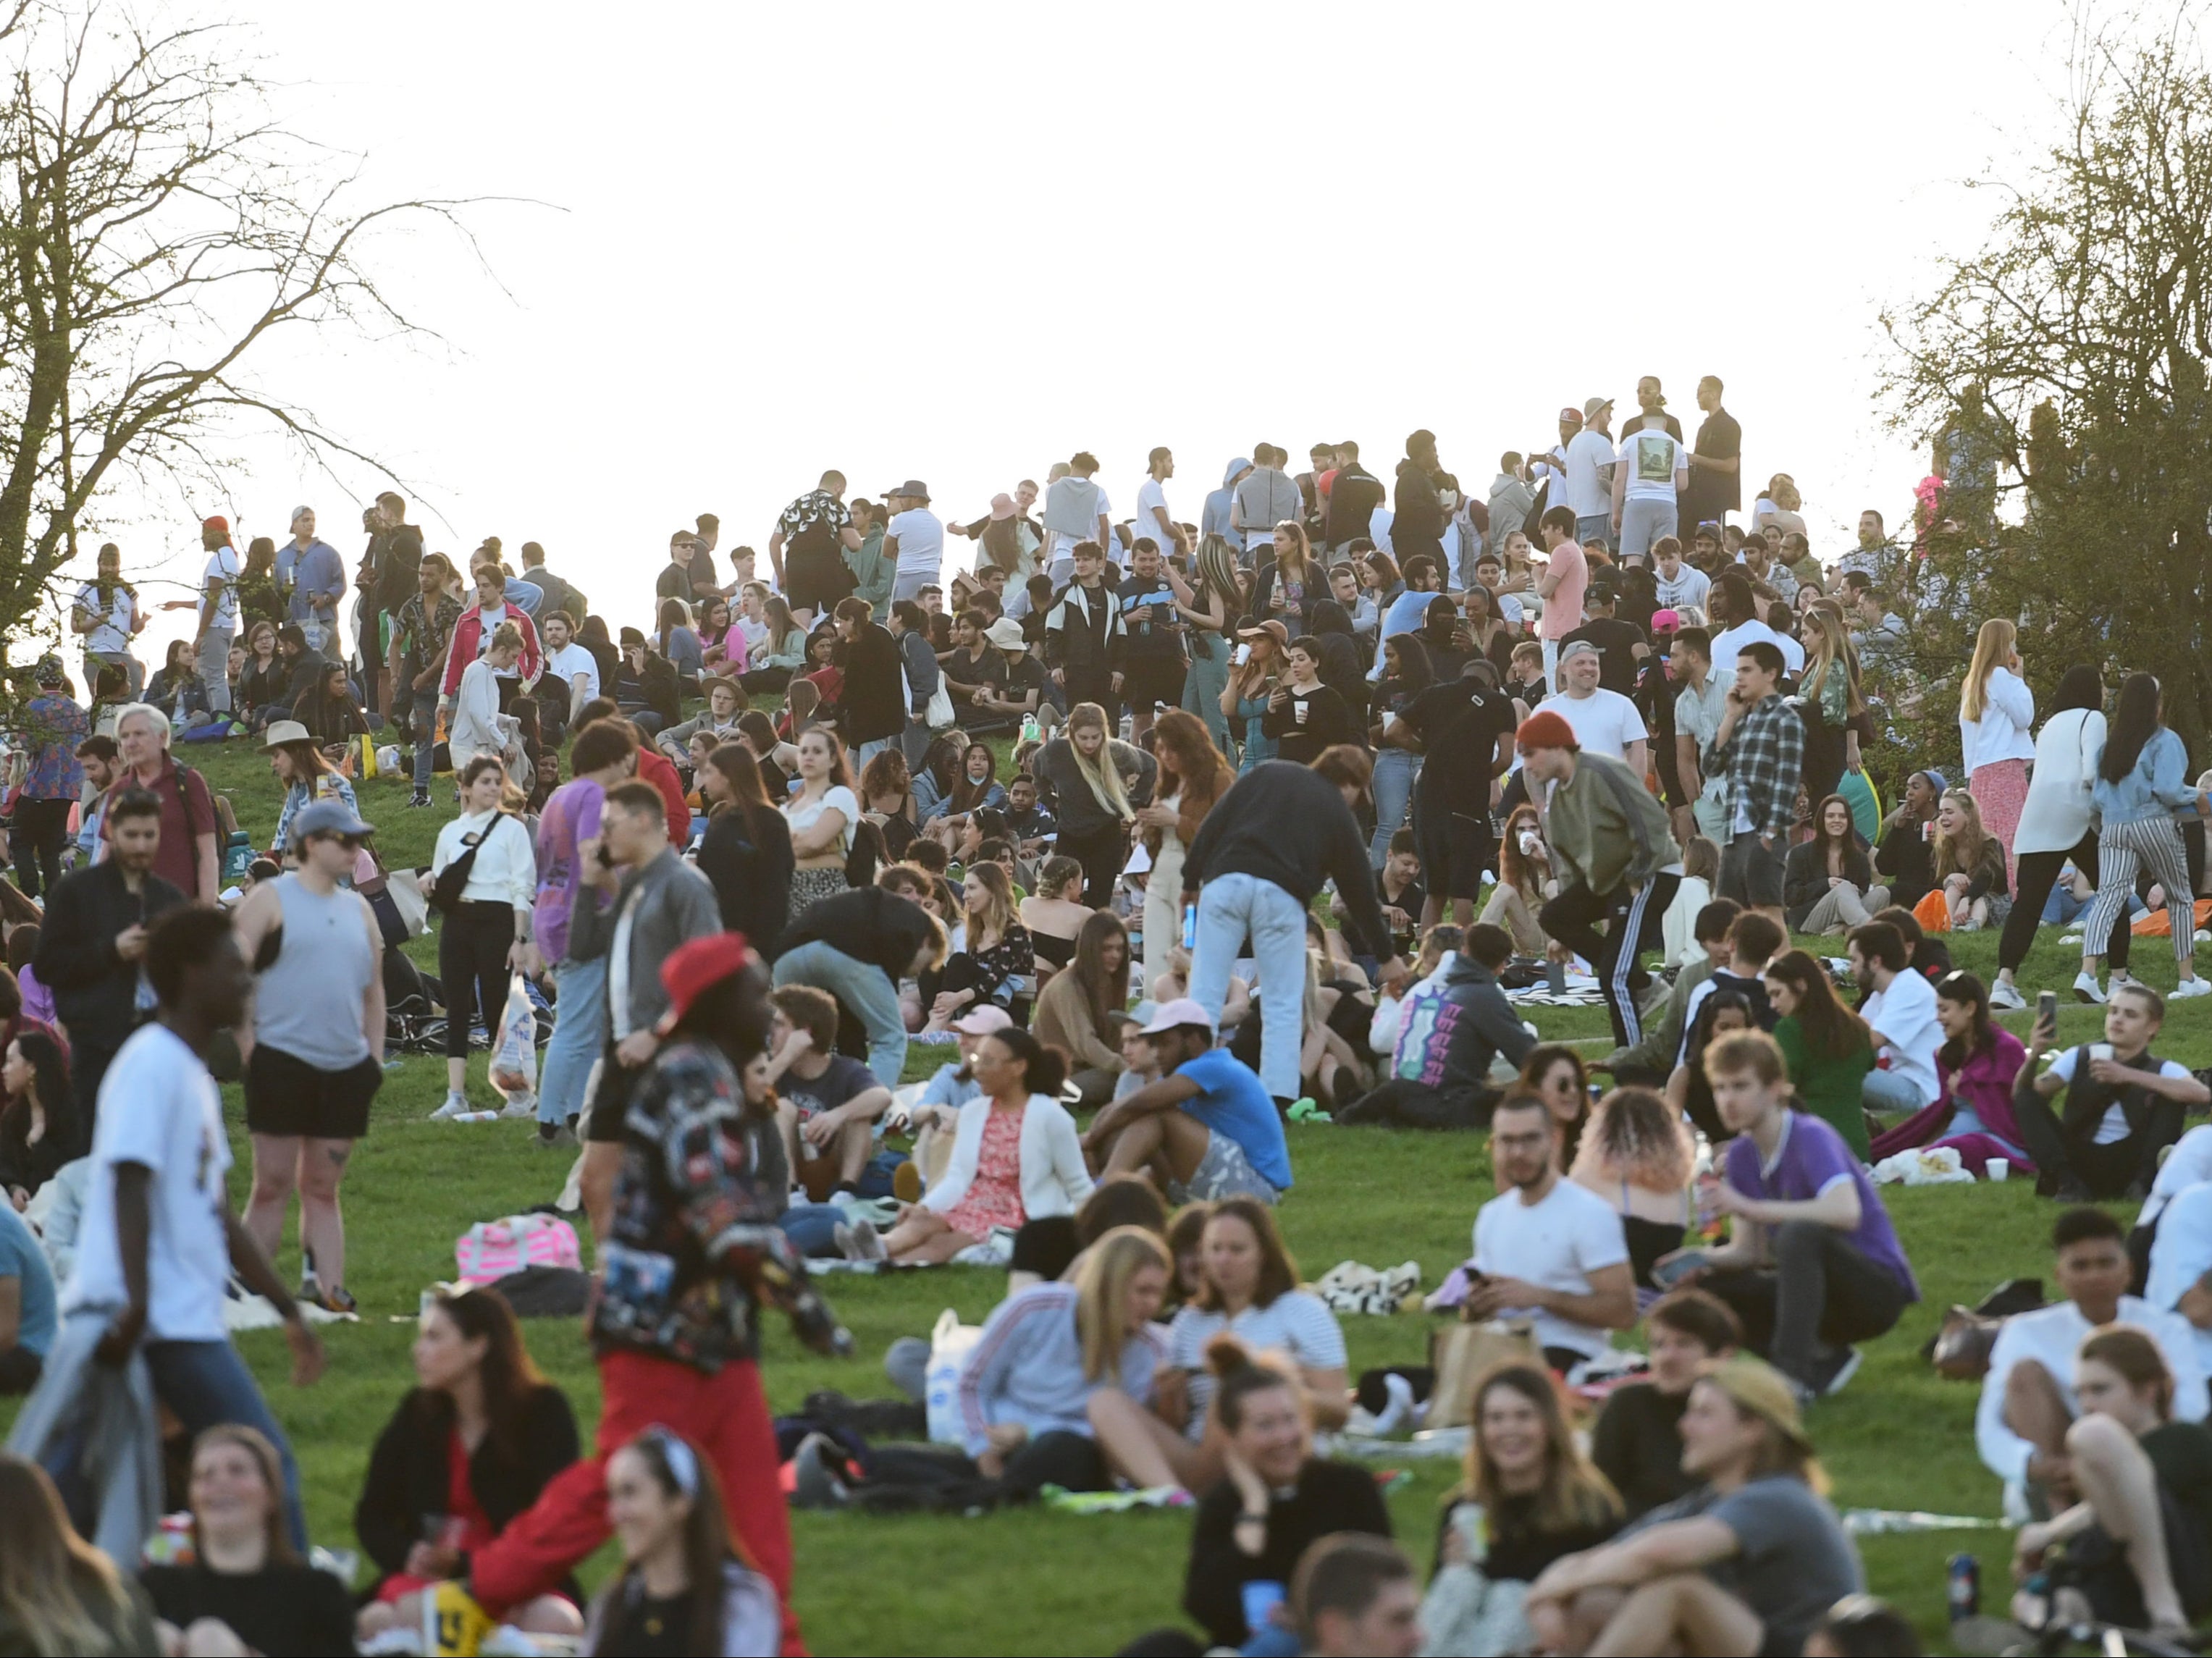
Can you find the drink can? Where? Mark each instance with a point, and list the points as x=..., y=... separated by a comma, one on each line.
x=1190, y=926
x=1962, y=1590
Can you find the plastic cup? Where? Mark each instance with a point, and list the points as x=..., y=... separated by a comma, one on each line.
x=1998, y=1169
x=1260, y=1598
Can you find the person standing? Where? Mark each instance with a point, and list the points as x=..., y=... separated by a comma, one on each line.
x=874, y=701
x=1616, y=861
x=1417, y=516
x=52, y=724
x=1565, y=582
x=390, y=570
x=920, y=676
x=314, y=1050
x=1353, y=497
x=1153, y=654
x=914, y=541
x=1153, y=519
x=422, y=630
x=603, y=757
x=2141, y=790
x=157, y=1240
x=694, y=1256
x=1076, y=510
x=1648, y=479
x=108, y=615
x=1084, y=644
x=1097, y=781
x=1996, y=711
x=1760, y=748
x=1716, y=462
x=1604, y=721
x=1589, y=469
x=218, y=613
x=2057, y=821
x=1256, y=863
x=1268, y=497
x=313, y=574
x=93, y=942
x=560, y=595
x=484, y=934
x=1470, y=721
x=474, y=631
x=187, y=856
x=817, y=530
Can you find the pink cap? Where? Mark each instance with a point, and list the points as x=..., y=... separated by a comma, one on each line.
x=983, y=1021
x=1666, y=622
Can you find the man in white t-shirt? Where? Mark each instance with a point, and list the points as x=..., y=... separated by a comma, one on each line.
x=1604, y=722
x=1735, y=622
x=567, y=663
x=1900, y=1008
x=1590, y=474
x=158, y=1240
x=218, y=606
x=1153, y=518
x=913, y=539
x=1546, y=1249
x=1652, y=466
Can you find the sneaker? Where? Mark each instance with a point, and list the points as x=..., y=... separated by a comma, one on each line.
x=420, y=797
x=522, y=1105
x=2007, y=996
x=906, y=1183
x=2190, y=986
x=859, y=1240
x=1832, y=1370
x=340, y=1302
x=455, y=1105
x=561, y=1139
x=1398, y=1409
x=2087, y=989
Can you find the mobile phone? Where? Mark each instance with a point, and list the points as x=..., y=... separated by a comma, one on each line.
x=2046, y=1007
x=1669, y=1273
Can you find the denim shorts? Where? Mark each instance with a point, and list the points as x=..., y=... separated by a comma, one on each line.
x=1224, y=1172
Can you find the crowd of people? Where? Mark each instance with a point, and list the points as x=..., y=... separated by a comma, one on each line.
x=1079, y=819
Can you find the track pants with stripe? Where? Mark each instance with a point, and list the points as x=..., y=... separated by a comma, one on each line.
x=1633, y=922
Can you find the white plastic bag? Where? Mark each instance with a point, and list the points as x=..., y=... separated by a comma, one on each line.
x=949, y=1343
x=514, y=1047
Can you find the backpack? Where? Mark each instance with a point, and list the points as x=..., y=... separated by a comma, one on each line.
x=445, y=890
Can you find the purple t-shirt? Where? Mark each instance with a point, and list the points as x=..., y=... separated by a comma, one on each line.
x=571, y=816
x=1812, y=1157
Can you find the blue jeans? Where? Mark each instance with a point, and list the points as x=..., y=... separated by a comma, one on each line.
x=1395, y=771
x=205, y=1384
x=1889, y=1092
x=1232, y=907
x=870, y=750
x=811, y=1227
x=580, y=1032
x=867, y=991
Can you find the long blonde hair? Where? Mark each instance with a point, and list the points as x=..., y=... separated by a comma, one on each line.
x=1963, y=855
x=1102, y=1294
x=1993, y=648
x=1100, y=772
x=1828, y=650
x=62, y=1594
x=999, y=906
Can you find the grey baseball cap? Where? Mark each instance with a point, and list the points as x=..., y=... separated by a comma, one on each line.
x=327, y=818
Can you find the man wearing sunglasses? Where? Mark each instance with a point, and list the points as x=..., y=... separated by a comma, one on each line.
x=313, y=1052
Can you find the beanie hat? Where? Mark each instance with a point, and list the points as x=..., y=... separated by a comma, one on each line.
x=1545, y=730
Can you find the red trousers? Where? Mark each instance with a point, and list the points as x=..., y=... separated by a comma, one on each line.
x=724, y=1415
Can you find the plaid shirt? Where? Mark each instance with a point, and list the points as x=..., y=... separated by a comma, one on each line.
x=695, y=1247
x=1763, y=759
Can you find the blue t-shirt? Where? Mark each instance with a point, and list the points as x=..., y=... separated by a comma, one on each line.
x=21, y=1258
x=1231, y=1100
x=317, y=573
x=1812, y=1157
x=1405, y=616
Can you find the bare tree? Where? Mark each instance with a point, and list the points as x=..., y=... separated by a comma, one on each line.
x=158, y=229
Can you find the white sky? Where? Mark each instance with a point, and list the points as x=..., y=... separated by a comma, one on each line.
x=877, y=237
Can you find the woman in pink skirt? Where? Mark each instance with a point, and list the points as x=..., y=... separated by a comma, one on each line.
x=1996, y=710
x=1016, y=1158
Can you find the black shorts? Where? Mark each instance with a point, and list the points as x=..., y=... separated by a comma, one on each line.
x=1455, y=850
x=1147, y=680
x=1750, y=873
x=610, y=1100
x=286, y=1096
x=817, y=579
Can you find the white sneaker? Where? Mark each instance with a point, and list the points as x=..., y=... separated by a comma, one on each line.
x=2006, y=996
x=522, y=1105
x=2190, y=988
x=455, y=1105
x=2087, y=989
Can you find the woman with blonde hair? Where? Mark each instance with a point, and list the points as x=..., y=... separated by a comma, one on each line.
x=823, y=815
x=1251, y=687
x=1996, y=713
x=1292, y=583
x=1636, y=1154
x=59, y=1594
x=1094, y=777
x=995, y=963
x=1209, y=606
x=1968, y=864
x=1524, y=869
x=1830, y=702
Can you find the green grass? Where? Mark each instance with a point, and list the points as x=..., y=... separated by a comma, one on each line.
x=1028, y=1581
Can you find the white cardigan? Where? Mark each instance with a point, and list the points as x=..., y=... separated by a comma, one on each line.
x=2007, y=712
x=1055, y=1180
x=2059, y=807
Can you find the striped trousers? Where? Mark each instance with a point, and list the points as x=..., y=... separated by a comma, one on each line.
x=2123, y=850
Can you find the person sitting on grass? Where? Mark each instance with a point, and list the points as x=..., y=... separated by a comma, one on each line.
x=1015, y=1158
x=1753, y=942
x=2139, y=1543
x=1078, y=1011
x=1356, y=1595
x=1546, y=1249
x=1636, y=1442
x=1275, y=1499
x=2029, y=1396
x=1826, y=1045
x=1447, y=1041
x=1974, y=1072
x=1636, y=1155
x=1540, y=1497
x=1749, y=1562
x=684, y=1586
x=1058, y=1389
x=1724, y=1013
x=1900, y=1010
x=480, y=1408
x=1650, y=1062
x=247, y=1589
x=1862, y=1626
x=2123, y=1104
x=59, y=1593
x=836, y=1098
x=1812, y=1263
x=1207, y=1130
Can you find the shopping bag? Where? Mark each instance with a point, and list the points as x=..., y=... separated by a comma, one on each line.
x=1459, y=1353
x=515, y=1045
x=494, y=1249
x=949, y=1343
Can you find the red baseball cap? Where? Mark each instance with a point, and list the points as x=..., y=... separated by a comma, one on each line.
x=690, y=970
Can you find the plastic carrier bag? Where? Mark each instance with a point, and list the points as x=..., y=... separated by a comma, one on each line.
x=514, y=1046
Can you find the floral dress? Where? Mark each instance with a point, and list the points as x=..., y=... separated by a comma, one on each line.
x=993, y=1198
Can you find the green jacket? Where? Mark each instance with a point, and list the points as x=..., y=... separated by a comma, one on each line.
x=1606, y=829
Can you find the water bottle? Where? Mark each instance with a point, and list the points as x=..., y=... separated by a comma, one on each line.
x=1962, y=1587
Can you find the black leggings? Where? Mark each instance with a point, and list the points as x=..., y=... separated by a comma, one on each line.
x=1102, y=852
x=40, y=831
x=2038, y=872
x=473, y=946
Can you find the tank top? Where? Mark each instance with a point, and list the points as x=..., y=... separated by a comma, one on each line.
x=309, y=1002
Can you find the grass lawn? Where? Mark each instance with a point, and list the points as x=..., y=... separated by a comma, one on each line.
x=1032, y=1582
